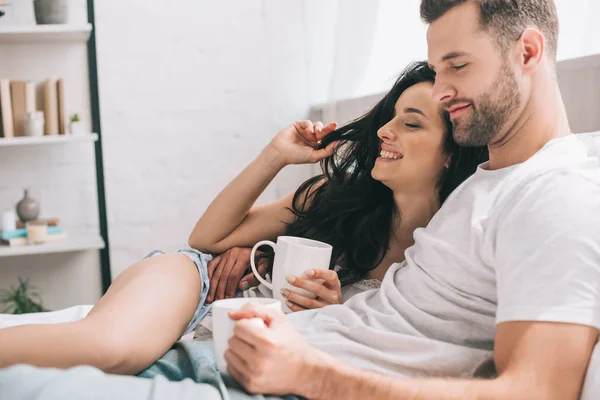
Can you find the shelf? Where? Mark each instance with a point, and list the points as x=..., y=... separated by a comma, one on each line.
x=71, y=244
x=45, y=33
x=52, y=139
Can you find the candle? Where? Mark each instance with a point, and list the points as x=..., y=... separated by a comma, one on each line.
x=37, y=233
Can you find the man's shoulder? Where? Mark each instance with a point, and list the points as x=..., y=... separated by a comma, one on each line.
x=561, y=179
x=562, y=159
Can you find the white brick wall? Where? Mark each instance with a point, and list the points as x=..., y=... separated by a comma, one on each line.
x=190, y=93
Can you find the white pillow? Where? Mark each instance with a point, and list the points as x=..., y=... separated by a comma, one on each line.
x=592, y=139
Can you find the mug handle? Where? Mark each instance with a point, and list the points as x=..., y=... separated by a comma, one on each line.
x=254, y=270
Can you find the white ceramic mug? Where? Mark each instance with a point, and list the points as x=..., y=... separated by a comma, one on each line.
x=293, y=256
x=223, y=325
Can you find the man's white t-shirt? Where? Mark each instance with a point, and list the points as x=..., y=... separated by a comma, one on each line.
x=516, y=244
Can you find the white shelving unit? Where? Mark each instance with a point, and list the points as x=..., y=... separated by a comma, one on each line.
x=44, y=140
x=76, y=243
x=45, y=33
x=68, y=51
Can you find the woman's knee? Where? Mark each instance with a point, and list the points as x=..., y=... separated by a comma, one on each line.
x=114, y=350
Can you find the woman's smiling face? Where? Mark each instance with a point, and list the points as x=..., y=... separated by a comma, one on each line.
x=411, y=157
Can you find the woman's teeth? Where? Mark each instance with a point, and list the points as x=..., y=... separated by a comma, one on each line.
x=389, y=155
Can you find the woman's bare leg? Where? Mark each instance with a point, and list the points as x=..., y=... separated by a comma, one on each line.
x=144, y=312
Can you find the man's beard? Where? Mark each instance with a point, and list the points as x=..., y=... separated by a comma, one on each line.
x=489, y=112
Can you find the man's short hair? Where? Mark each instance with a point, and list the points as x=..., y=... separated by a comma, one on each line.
x=505, y=20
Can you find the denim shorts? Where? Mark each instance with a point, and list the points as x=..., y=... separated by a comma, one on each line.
x=201, y=261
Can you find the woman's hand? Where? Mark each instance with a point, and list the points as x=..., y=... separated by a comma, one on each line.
x=329, y=292
x=225, y=272
x=299, y=142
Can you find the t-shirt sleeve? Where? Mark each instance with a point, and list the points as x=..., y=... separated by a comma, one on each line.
x=547, y=251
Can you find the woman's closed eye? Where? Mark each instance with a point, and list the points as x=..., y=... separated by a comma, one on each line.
x=412, y=125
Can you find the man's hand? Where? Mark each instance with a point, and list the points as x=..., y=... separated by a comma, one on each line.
x=225, y=272
x=272, y=359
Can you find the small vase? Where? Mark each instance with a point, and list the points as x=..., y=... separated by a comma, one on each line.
x=28, y=209
x=76, y=128
x=51, y=11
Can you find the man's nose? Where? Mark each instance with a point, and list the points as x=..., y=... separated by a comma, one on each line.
x=443, y=91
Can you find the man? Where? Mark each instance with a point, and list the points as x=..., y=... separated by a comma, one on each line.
x=511, y=260
x=508, y=269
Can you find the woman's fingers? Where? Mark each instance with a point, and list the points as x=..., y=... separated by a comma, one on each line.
x=299, y=300
x=294, y=307
x=318, y=128
x=328, y=290
x=329, y=276
x=320, y=154
x=326, y=130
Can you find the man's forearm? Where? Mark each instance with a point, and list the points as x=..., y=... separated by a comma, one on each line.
x=334, y=381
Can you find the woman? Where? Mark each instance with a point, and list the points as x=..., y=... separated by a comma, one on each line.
x=391, y=171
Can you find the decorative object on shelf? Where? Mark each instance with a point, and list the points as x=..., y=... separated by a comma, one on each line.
x=2, y=5
x=28, y=209
x=51, y=222
x=22, y=299
x=9, y=221
x=37, y=232
x=51, y=11
x=34, y=123
x=76, y=125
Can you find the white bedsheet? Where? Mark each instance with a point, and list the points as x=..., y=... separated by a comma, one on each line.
x=51, y=317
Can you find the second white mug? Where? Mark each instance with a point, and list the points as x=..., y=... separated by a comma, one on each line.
x=293, y=256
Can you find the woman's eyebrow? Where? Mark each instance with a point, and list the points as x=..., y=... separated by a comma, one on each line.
x=411, y=110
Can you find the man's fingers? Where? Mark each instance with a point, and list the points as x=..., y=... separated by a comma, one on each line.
x=223, y=280
x=237, y=367
x=255, y=310
x=236, y=273
x=250, y=280
x=214, y=282
x=212, y=265
x=242, y=349
x=251, y=334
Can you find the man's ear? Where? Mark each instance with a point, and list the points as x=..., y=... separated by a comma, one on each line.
x=531, y=49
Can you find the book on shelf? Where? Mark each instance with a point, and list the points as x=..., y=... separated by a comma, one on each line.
x=22, y=232
x=17, y=98
x=46, y=221
x=6, y=113
x=23, y=101
x=62, y=116
x=22, y=241
x=51, y=107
